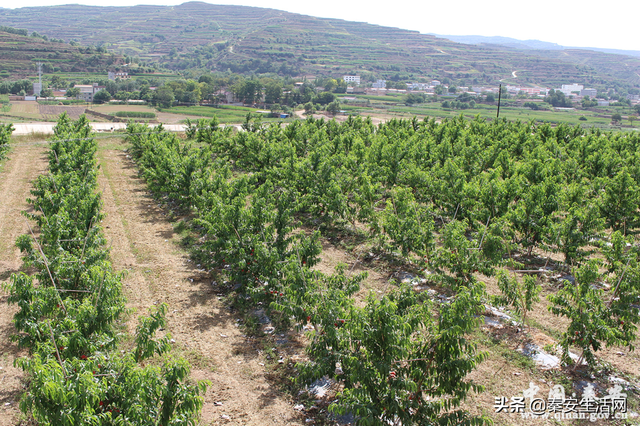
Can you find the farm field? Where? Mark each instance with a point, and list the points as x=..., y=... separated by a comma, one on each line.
x=52, y=112
x=145, y=245
x=505, y=367
x=32, y=111
x=167, y=238
x=380, y=108
x=226, y=114
x=163, y=117
x=394, y=107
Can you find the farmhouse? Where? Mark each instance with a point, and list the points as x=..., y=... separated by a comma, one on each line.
x=87, y=91
x=121, y=75
x=352, y=79
x=567, y=89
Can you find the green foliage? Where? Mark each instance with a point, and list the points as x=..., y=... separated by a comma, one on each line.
x=598, y=318
x=532, y=214
x=69, y=308
x=12, y=30
x=618, y=205
x=101, y=97
x=408, y=224
x=397, y=362
x=333, y=108
x=558, y=99
x=252, y=122
x=309, y=108
x=579, y=226
x=324, y=98
x=519, y=295
x=108, y=387
x=415, y=98
x=135, y=114
x=5, y=137
x=461, y=255
x=457, y=197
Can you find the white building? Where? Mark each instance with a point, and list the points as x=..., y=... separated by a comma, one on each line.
x=567, y=89
x=121, y=75
x=535, y=91
x=380, y=84
x=589, y=92
x=352, y=79
x=417, y=86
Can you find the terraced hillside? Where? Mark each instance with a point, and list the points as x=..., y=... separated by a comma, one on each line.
x=21, y=53
x=249, y=39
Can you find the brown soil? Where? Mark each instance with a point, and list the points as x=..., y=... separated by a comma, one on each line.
x=52, y=112
x=24, y=164
x=144, y=243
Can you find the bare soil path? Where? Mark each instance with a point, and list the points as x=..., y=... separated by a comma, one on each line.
x=25, y=163
x=144, y=243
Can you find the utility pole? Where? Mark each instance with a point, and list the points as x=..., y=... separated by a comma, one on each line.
x=499, y=97
x=37, y=87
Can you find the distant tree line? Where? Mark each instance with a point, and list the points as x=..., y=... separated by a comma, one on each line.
x=558, y=99
x=12, y=30
x=20, y=87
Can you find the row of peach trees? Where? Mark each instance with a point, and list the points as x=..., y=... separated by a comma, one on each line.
x=71, y=310
x=5, y=136
x=401, y=357
x=451, y=199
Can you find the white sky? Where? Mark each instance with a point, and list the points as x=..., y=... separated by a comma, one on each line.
x=614, y=24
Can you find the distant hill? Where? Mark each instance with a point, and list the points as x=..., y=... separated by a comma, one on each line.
x=249, y=39
x=21, y=53
x=502, y=41
x=530, y=44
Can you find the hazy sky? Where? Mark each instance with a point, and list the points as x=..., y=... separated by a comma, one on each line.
x=612, y=24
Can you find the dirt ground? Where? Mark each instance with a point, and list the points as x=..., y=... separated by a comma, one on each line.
x=52, y=112
x=144, y=243
x=24, y=164
x=30, y=110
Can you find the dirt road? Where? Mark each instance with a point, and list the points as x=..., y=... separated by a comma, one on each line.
x=24, y=164
x=144, y=243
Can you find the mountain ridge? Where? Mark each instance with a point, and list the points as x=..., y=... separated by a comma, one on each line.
x=246, y=39
x=530, y=44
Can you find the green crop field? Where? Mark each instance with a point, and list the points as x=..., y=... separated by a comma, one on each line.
x=225, y=113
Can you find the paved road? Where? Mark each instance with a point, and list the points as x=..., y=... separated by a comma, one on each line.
x=47, y=128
